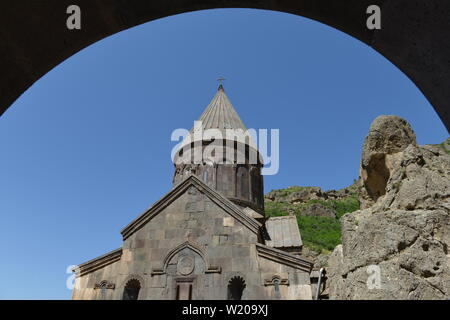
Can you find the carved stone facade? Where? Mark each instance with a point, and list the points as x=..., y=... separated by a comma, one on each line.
x=205, y=239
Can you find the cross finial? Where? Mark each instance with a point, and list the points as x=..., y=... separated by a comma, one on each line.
x=220, y=82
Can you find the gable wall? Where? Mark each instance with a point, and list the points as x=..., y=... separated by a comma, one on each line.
x=192, y=217
x=85, y=285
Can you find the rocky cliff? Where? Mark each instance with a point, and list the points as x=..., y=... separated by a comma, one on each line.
x=397, y=245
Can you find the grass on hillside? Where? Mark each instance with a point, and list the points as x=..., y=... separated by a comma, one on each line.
x=322, y=234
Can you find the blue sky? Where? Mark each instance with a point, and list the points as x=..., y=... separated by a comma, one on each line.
x=87, y=148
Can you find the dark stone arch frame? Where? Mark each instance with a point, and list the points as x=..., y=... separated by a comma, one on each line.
x=413, y=37
x=134, y=277
x=229, y=281
x=130, y=278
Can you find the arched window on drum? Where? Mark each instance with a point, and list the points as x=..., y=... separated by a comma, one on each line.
x=242, y=183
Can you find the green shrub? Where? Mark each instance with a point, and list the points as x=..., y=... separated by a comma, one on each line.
x=318, y=233
x=275, y=209
x=346, y=205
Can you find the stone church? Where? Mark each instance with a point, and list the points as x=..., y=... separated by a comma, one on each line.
x=207, y=238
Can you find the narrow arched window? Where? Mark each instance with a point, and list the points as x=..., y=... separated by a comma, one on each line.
x=236, y=288
x=255, y=184
x=208, y=173
x=131, y=291
x=276, y=287
x=242, y=183
x=103, y=287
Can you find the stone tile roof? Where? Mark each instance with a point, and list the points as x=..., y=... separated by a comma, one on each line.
x=283, y=232
x=220, y=113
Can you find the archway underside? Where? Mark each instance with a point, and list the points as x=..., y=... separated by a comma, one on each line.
x=414, y=34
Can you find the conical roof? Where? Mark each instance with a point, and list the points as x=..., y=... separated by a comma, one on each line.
x=220, y=113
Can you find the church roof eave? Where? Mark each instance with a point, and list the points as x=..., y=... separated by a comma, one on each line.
x=98, y=263
x=283, y=257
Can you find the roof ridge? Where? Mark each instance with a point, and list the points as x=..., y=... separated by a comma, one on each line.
x=282, y=217
x=284, y=257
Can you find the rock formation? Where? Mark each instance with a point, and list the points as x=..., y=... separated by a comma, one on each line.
x=319, y=210
x=397, y=246
x=297, y=194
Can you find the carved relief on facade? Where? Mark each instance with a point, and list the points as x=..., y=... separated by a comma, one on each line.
x=186, y=265
x=104, y=285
